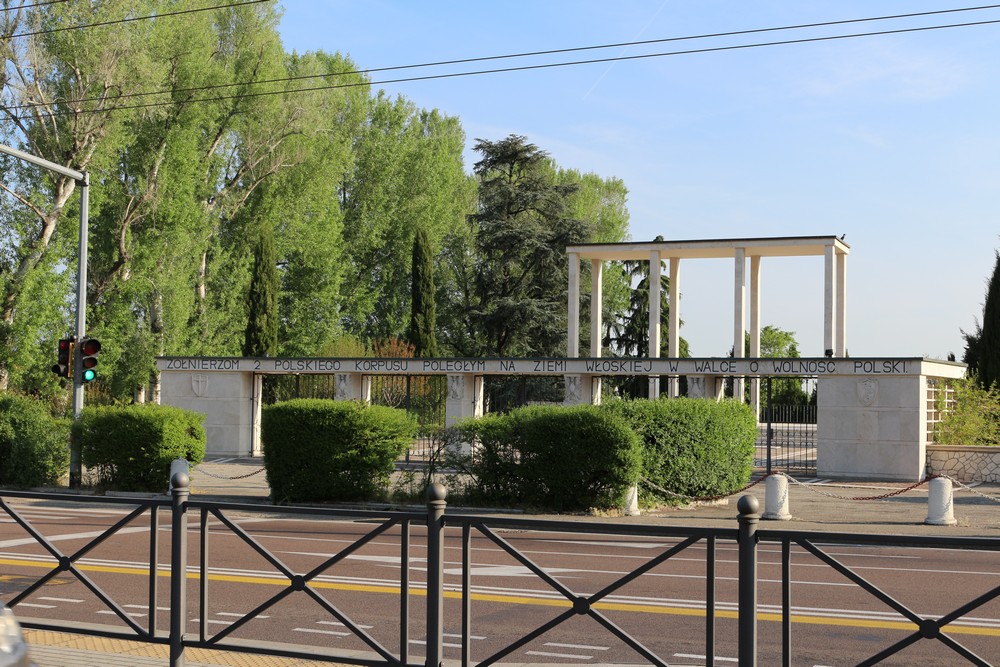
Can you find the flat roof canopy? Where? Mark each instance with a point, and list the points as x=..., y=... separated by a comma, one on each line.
x=778, y=246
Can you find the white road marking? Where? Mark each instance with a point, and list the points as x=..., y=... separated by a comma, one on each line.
x=693, y=656
x=69, y=536
x=582, y=647
x=569, y=656
x=338, y=623
x=61, y=599
x=333, y=633
x=38, y=606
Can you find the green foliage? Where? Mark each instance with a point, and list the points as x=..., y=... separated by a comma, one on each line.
x=557, y=458
x=261, y=335
x=691, y=446
x=34, y=446
x=423, y=309
x=973, y=419
x=988, y=369
x=131, y=447
x=318, y=450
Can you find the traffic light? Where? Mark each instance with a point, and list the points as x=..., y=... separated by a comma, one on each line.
x=64, y=367
x=89, y=347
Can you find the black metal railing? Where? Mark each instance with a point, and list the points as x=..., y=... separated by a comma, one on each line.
x=438, y=527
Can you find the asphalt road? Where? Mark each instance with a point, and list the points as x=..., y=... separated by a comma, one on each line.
x=835, y=622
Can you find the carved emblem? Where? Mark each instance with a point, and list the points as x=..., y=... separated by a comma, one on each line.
x=199, y=383
x=343, y=389
x=572, y=389
x=867, y=392
x=456, y=387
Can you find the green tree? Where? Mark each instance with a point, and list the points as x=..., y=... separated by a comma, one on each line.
x=423, y=317
x=988, y=343
x=261, y=335
x=513, y=302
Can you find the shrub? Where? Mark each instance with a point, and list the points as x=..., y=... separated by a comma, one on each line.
x=974, y=417
x=693, y=447
x=550, y=457
x=320, y=450
x=34, y=446
x=131, y=447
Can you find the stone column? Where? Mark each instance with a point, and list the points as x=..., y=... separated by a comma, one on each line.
x=829, y=300
x=841, y=348
x=674, y=335
x=596, y=320
x=573, y=320
x=739, y=315
x=654, y=318
x=353, y=387
x=755, y=329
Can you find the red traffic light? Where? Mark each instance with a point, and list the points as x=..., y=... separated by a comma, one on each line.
x=64, y=366
x=90, y=346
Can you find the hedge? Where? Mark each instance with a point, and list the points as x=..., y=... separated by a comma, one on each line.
x=34, y=446
x=131, y=447
x=555, y=458
x=693, y=447
x=318, y=450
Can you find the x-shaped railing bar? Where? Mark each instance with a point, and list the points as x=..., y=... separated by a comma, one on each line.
x=927, y=628
x=66, y=563
x=300, y=582
x=582, y=605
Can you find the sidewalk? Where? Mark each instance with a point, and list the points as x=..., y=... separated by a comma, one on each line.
x=815, y=505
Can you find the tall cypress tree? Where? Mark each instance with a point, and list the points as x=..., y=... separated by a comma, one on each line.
x=423, y=309
x=261, y=337
x=989, y=340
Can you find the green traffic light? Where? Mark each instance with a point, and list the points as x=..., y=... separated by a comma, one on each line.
x=89, y=374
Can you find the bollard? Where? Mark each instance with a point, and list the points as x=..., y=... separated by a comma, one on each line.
x=747, y=596
x=178, y=566
x=436, y=494
x=631, y=501
x=776, y=499
x=176, y=466
x=940, y=509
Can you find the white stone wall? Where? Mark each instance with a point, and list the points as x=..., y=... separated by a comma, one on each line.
x=871, y=427
x=226, y=400
x=966, y=464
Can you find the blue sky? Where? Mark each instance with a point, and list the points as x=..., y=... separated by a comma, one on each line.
x=892, y=140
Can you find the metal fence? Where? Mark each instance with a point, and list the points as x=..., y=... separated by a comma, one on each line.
x=430, y=530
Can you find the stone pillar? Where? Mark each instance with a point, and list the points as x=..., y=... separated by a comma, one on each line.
x=596, y=322
x=654, y=318
x=465, y=398
x=573, y=320
x=353, y=387
x=580, y=390
x=755, y=325
x=706, y=386
x=227, y=400
x=739, y=315
x=674, y=334
x=841, y=347
x=256, y=407
x=829, y=300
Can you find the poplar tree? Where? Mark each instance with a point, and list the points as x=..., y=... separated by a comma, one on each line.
x=423, y=310
x=261, y=337
x=989, y=339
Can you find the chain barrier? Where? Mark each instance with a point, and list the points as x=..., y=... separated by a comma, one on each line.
x=812, y=487
x=249, y=474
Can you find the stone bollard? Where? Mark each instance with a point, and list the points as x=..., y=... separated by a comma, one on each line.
x=631, y=502
x=776, y=499
x=940, y=509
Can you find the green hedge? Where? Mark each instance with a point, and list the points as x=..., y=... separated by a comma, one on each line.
x=319, y=450
x=557, y=458
x=131, y=447
x=694, y=447
x=34, y=446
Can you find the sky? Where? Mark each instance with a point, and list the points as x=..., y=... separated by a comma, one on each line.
x=891, y=140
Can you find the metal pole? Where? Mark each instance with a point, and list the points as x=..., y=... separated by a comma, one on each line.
x=178, y=566
x=436, y=494
x=75, y=464
x=748, y=519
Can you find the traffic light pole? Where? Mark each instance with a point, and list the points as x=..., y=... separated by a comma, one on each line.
x=82, y=180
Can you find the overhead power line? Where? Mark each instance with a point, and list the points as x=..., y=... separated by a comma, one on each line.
x=527, y=54
x=101, y=24
x=522, y=68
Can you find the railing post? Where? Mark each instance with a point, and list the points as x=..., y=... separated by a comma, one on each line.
x=180, y=491
x=436, y=494
x=748, y=520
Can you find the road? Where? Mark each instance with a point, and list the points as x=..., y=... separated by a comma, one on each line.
x=834, y=621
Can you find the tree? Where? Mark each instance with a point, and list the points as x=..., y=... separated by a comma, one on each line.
x=987, y=347
x=513, y=302
x=777, y=343
x=261, y=336
x=423, y=310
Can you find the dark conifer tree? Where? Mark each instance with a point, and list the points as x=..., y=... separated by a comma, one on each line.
x=261, y=336
x=423, y=311
x=989, y=338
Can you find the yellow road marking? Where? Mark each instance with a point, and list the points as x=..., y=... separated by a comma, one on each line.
x=904, y=626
